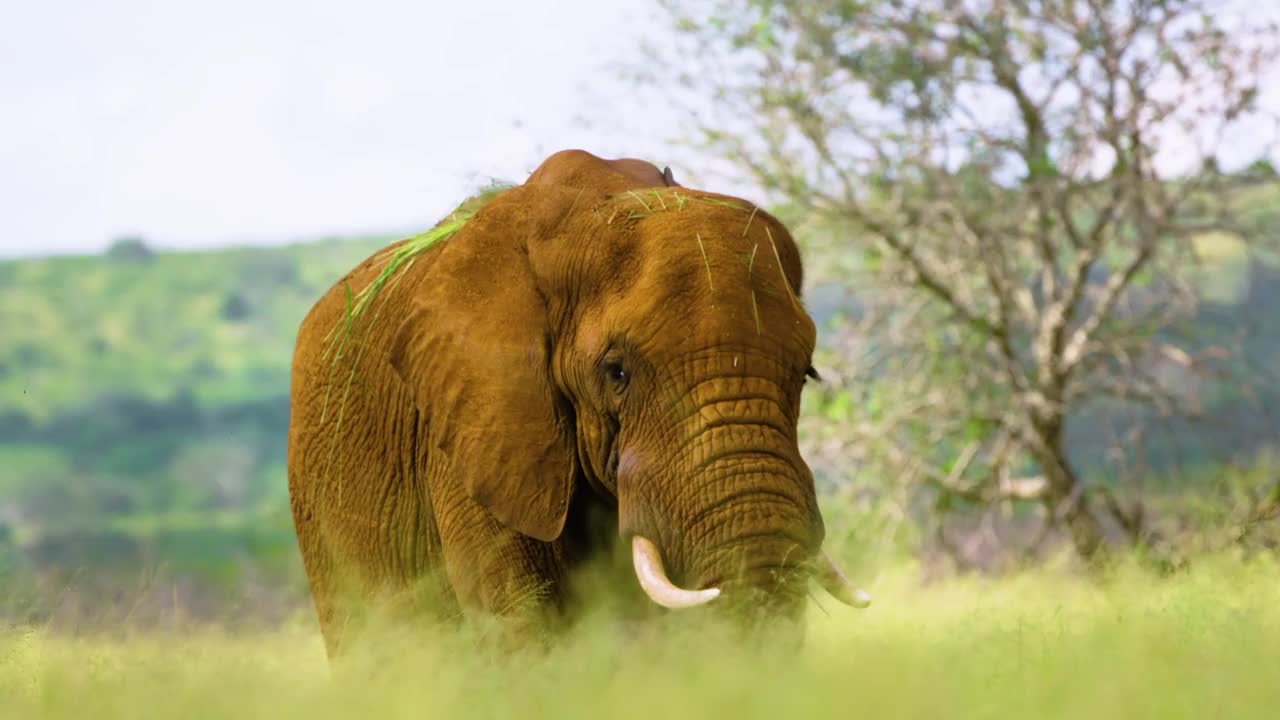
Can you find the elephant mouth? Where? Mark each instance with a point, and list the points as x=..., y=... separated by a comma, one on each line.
x=652, y=575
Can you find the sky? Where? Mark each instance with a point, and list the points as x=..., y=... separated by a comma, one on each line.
x=206, y=124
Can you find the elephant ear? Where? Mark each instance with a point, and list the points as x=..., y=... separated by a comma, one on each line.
x=475, y=351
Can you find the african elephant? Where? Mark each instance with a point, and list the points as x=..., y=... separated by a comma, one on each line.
x=597, y=347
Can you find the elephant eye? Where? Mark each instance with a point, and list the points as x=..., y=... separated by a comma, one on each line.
x=615, y=372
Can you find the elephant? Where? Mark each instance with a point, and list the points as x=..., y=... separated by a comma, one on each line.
x=594, y=359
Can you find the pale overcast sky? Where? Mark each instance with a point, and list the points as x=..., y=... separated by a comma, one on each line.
x=199, y=124
x=202, y=124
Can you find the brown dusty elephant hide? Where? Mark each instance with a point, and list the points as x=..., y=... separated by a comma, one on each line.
x=595, y=347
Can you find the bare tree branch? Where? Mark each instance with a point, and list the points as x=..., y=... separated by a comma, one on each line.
x=992, y=180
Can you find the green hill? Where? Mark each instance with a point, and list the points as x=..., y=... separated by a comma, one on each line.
x=144, y=398
x=216, y=325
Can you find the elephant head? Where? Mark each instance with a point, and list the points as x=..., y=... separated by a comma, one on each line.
x=600, y=329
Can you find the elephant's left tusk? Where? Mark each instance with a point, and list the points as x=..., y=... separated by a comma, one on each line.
x=833, y=579
x=653, y=578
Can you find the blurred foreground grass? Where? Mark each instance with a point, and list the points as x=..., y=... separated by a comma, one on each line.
x=1041, y=645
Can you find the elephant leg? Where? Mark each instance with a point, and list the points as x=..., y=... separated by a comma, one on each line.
x=493, y=570
x=372, y=564
x=320, y=569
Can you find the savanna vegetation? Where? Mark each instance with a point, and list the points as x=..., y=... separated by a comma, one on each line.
x=1041, y=645
x=1047, y=435
x=143, y=405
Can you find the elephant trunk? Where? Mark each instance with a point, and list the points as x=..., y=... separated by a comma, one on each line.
x=734, y=515
x=758, y=539
x=755, y=532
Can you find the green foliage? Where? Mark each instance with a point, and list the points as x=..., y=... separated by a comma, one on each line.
x=129, y=249
x=78, y=328
x=144, y=405
x=1261, y=169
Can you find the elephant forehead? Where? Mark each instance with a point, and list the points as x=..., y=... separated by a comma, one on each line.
x=670, y=262
x=727, y=250
x=733, y=287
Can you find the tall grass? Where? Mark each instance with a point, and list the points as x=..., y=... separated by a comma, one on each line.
x=1202, y=644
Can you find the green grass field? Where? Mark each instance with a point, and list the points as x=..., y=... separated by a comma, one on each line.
x=1204, y=644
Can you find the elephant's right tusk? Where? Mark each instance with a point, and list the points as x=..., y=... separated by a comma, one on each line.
x=832, y=578
x=653, y=579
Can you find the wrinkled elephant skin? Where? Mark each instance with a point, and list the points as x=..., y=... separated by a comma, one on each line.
x=598, y=347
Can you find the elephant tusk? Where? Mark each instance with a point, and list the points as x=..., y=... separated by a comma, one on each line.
x=653, y=578
x=833, y=579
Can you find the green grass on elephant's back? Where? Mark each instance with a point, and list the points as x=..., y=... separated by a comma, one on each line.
x=1203, y=644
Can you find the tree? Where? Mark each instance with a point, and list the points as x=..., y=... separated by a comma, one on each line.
x=236, y=307
x=129, y=248
x=1026, y=186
